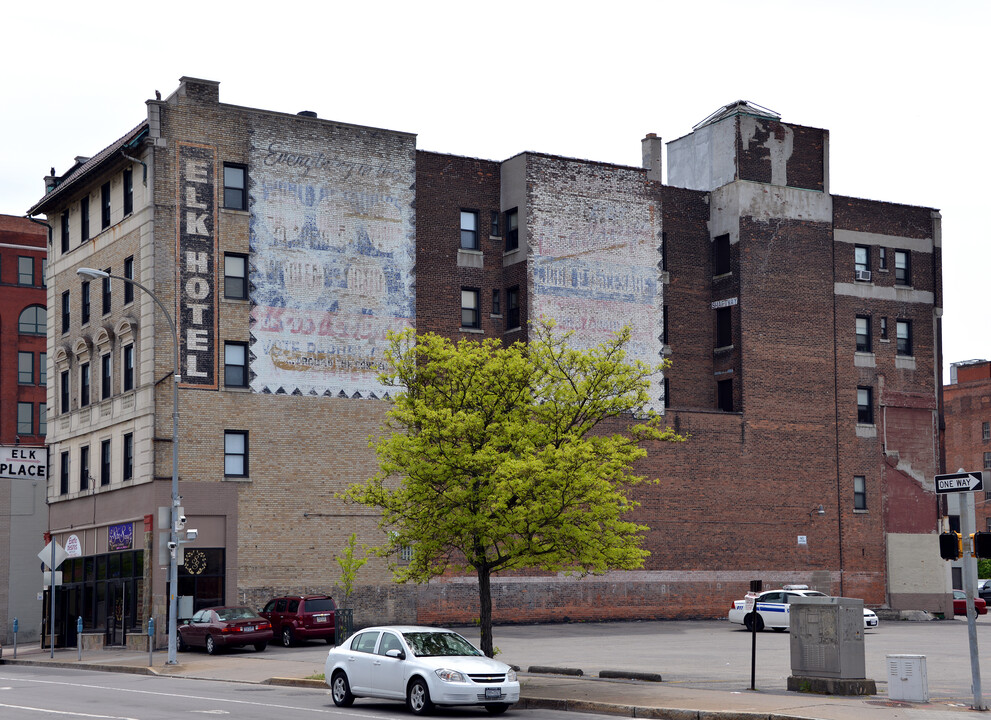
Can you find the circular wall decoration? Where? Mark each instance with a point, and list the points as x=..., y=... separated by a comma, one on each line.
x=195, y=561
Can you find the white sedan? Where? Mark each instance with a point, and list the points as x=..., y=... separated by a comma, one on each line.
x=774, y=610
x=423, y=666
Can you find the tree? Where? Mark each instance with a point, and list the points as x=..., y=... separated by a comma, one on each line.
x=496, y=458
x=350, y=565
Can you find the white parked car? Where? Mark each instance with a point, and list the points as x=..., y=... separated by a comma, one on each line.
x=423, y=666
x=774, y=611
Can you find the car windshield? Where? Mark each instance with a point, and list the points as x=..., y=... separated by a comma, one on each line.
x=319, y=605
x=235, y=613
x=436, y=644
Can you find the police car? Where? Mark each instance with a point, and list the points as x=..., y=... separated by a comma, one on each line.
x=774, y=611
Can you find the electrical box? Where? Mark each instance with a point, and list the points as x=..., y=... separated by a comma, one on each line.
x=907, y=678
x=827, y=637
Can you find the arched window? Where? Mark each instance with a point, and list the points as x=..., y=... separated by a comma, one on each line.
x=33, y=321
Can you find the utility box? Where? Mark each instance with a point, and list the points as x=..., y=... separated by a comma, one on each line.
x=907, y=678
x=827, y=646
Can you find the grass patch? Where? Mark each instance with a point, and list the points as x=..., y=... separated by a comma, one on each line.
x=319, y=676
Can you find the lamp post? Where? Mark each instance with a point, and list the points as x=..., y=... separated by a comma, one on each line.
x=174, y=528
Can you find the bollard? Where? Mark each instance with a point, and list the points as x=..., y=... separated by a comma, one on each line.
x=15, y=638
x=151, y=640
x=79, y=638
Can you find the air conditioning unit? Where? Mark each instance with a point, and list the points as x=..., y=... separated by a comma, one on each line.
x=864, y=275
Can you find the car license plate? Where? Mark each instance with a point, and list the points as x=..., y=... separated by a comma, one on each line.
x=320, y=618
x=248, y=628
x=871, y=623
x=493, y=693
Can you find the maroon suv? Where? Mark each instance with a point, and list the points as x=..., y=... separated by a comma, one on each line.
x=301, y=617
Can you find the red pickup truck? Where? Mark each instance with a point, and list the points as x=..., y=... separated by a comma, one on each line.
x=301, y=617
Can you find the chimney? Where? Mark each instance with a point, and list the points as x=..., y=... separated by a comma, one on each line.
x=651, y=147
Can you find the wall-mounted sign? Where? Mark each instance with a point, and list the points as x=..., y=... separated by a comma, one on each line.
x=73, y=548
x=802, y=540
x=120, y=537
x=18, y=462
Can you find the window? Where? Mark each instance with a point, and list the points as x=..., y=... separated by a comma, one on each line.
x=65, y=231
x=105, y=206
x=861, y=260
x=903, y=267
x=865, y=406
x=106, y=294
x=25, y=271
x=235, y=364
x=25, y=368
x=106, y=389
x=32, y=320
x=64, y=391
x=664, y=322
x=25, y=418
x=235, y=184
x=494, y=224
x=235, y=453
x=64, y=474
x=42, y=418
x=129, y=274
x=724, y=393
x=84, y=303
x=903, y=332
x=513, y=308
x=65, y=311
x=884, y=328
x=664, y=251
x=84, y=384
x=42, y=368
x=127, y=367
x=882, y=258
x=44, y=272
x=667, y=393
x=469, y=230
x=105, y=462
x=859, y=492
x=128, y=191
x=987, y=461
x=128, y=458
x=512, y=230
x=235, y=276
x=469, y=308
x=986, y=431
x=720, y=255
x=863, y=333
x=496, y=302
x=84, y=468
x=84, y=219
x=724, y=328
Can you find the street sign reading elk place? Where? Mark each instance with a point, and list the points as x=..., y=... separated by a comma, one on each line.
x=959, y=482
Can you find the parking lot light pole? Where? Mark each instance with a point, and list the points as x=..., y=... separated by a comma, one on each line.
x=174, y=528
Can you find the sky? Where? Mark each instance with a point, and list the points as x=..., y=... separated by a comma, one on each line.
x=899, y=85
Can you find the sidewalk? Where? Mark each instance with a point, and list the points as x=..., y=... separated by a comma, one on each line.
x=630, y=698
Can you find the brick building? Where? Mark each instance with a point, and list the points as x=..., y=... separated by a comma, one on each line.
x=23, y=515
x=967, y=439
x=803, y=328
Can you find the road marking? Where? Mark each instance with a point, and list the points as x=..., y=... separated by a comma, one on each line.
x=333, y=711
x=64, y=712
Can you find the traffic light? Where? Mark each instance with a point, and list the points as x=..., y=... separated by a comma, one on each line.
x=981, y=544
x=950, y=545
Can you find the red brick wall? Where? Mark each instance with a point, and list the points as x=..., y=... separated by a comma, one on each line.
x=966, y=407
x=805, y=166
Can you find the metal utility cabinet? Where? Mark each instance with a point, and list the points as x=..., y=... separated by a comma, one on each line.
x=827, y=646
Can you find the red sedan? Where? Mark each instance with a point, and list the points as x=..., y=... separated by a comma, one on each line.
x=960, y=604
x=220, y=627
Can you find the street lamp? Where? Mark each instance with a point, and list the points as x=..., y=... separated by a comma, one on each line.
x=174, y=528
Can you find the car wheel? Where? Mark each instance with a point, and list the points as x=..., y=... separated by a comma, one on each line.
x=340, y=690
x=748, y=621
x=287, y=636
x=779, y=629
x=418, y=698
x=211, y=645
x=261, y=646
x=180, y=643
x=497, y=708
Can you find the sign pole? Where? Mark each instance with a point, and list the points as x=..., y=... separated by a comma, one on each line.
x=51, y=597
x=967, y=522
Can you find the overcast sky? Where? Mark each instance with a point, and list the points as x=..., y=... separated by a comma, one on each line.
x=901, y=86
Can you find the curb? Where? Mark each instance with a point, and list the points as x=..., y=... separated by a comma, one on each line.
x=627, y=675
x=654, y=713
x=547, y=670
x=297, y=682
x=132, y=669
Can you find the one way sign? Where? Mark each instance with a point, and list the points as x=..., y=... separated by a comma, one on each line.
x=959, y=482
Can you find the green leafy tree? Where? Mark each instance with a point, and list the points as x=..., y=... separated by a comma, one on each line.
x=350, y=565
x=497, y=458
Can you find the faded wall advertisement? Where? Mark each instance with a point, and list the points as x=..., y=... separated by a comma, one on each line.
x=595, y=260
x=332, y=240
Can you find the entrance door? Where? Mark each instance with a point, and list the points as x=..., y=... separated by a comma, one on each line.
x=117, y=616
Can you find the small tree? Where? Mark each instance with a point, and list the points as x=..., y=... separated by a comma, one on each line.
x=350, y=565
x=502, y=461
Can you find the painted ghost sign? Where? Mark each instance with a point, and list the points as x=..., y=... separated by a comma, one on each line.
x=332, y=240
